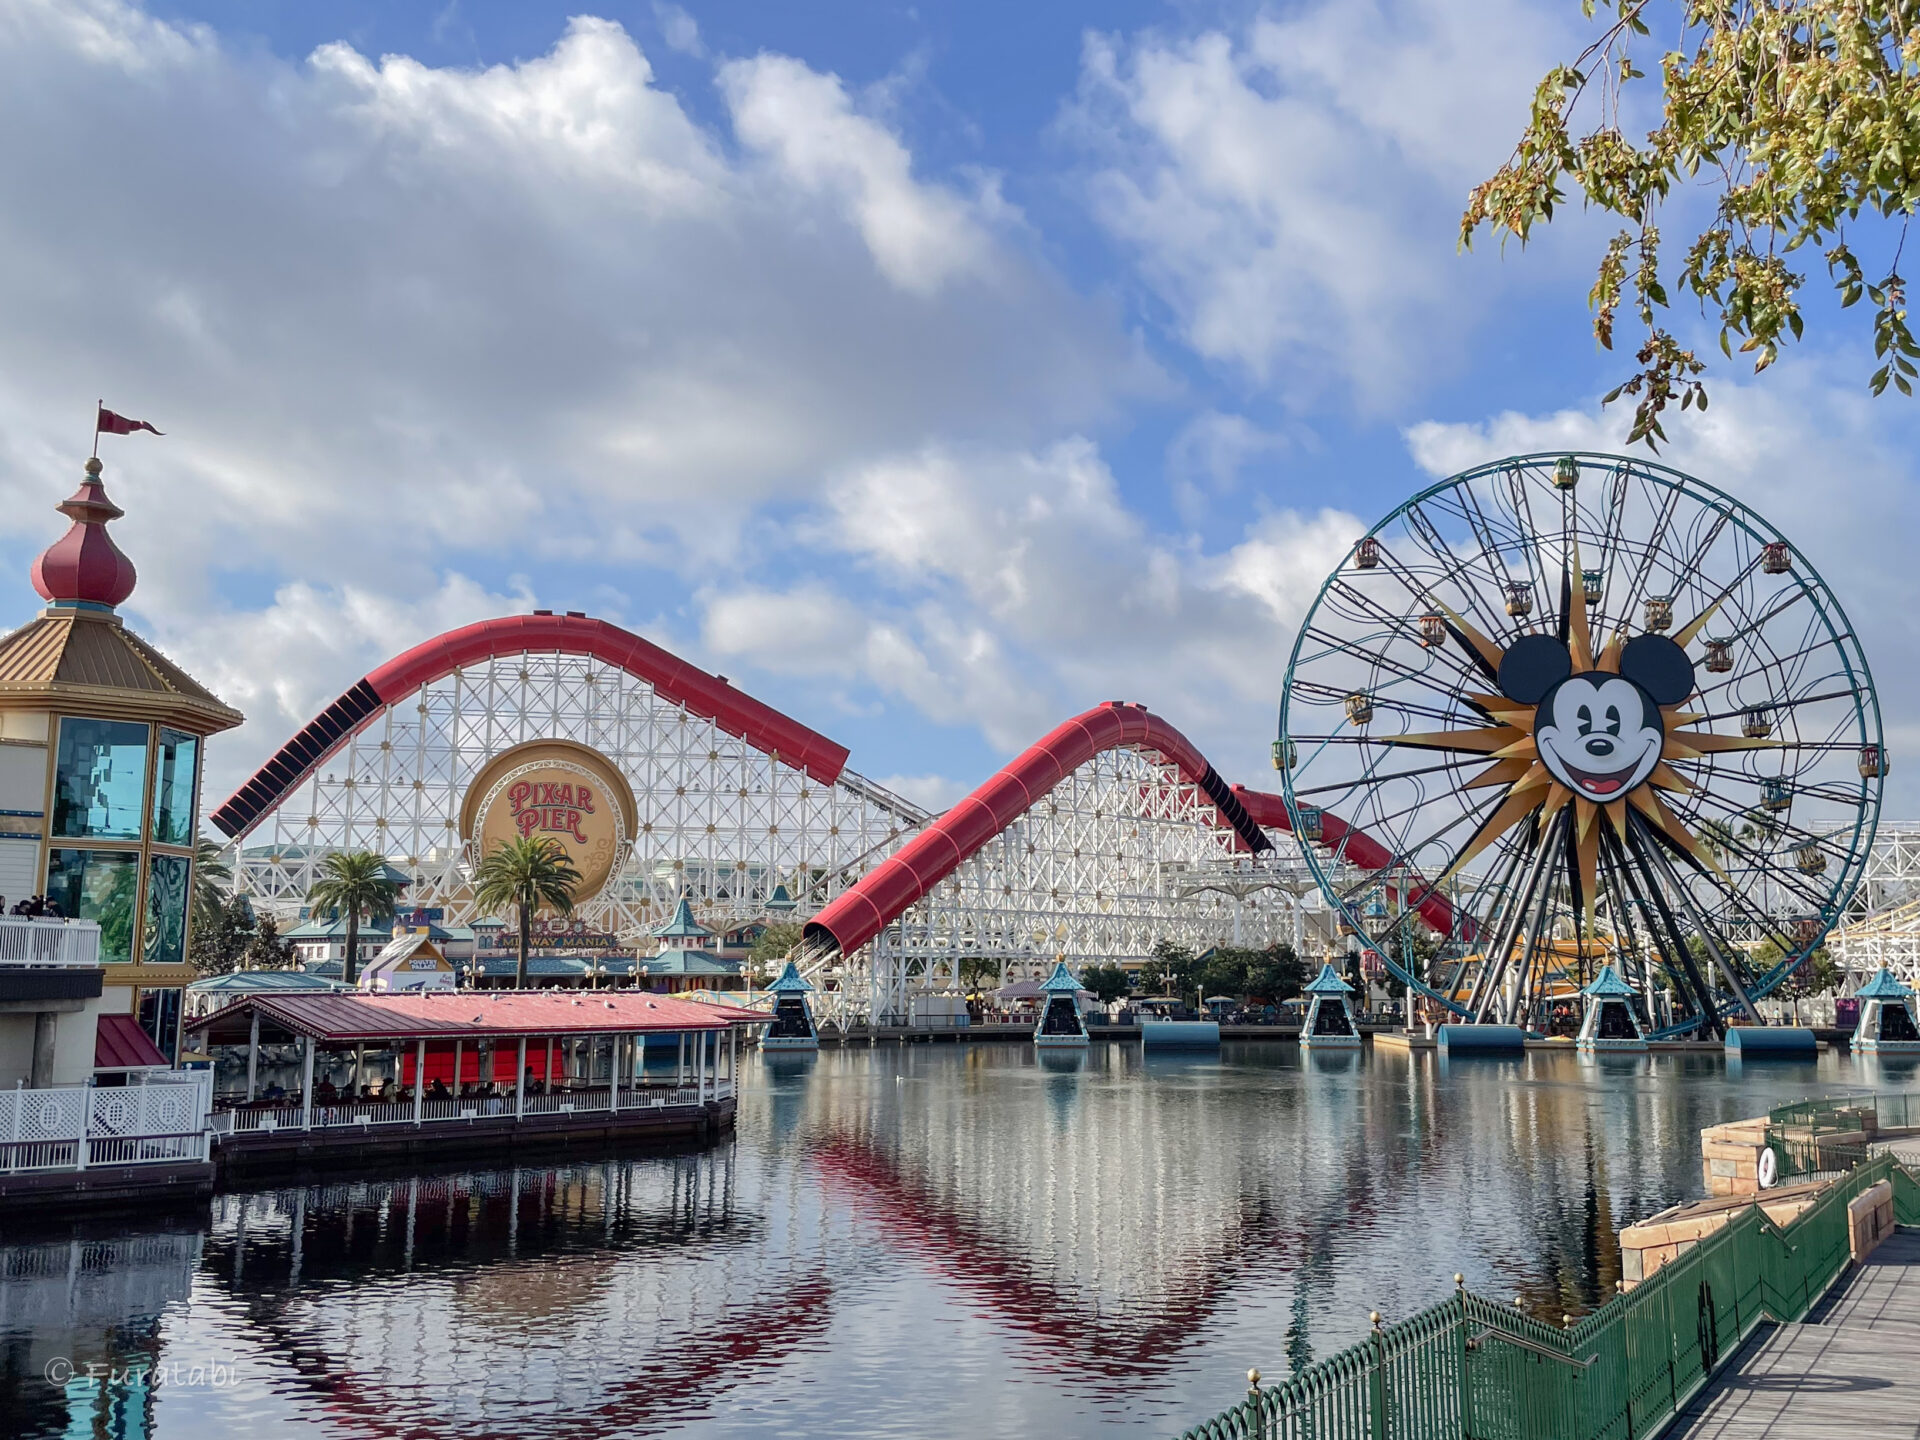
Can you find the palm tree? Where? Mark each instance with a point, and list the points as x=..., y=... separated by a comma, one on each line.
x=531, y=873
x=356, y=884
x=210, y=876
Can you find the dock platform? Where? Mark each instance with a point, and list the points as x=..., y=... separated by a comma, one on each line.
x=1848, y=1369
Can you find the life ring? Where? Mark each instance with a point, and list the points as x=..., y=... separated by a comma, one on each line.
x=1767, y=1171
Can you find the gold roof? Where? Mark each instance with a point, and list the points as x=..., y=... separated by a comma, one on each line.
x=86, y=661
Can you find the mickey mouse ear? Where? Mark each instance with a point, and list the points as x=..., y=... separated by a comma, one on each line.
x=1533, y=665
x=1659, y=666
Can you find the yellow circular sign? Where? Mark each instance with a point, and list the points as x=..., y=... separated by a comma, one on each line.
x=555, y=790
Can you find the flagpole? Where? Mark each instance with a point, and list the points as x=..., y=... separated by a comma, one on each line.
x=98, y=406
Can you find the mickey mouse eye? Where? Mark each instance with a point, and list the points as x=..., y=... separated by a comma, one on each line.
x=1586, y=720
x=1613, y=719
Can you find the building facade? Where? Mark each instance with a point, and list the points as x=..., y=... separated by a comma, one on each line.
x=101, y=743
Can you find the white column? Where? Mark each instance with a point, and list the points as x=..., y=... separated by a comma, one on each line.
x=640, y=1063
x=419, y=1080
x=253, y=1054
x=733, y=1061
x=613, y=1074
x=680, y=1065
x=456, y=1069
x=306, y=1089
x=547, y=1078
x=700, y=1063
x=520, y=1091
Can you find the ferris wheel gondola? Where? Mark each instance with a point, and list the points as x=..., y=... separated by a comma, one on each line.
x=1608, y=711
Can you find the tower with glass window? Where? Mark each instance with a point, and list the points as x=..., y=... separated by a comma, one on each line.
x=101, y=741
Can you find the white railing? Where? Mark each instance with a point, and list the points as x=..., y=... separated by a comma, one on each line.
x=368, y=1113
x=77, y=1127
x=48, y=942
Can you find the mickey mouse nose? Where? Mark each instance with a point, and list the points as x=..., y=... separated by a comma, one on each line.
x=1599, y=746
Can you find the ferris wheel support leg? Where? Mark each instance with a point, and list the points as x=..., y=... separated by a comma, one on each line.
x=1720, y=961
x=1502, y=923
x=1678, y=956
x=1487, y=989
x=1520, y=983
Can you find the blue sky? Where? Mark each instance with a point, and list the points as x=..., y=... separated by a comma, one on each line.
x=934, y=371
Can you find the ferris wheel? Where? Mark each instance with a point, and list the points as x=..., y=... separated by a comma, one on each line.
x=1608, y=713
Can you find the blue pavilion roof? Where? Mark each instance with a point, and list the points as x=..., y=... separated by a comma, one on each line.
x=1883, y=986
x=688, y=962
x=1061, y=981
x=1328, y=983
x=682, y=925
x=246, y=981
x=790, y=982
x=1608, y=985
x=780, y=899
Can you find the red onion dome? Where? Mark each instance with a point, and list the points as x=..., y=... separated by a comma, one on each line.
x=84, y=564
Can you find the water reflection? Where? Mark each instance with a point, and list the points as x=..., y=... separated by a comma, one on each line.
x=926, y=1241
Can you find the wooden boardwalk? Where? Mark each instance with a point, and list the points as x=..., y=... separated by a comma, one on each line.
x=1852, y=1369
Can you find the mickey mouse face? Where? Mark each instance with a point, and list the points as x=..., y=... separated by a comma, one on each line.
x=1599, y=734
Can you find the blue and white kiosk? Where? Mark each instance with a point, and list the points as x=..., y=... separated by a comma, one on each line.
x=1329, y=1024
x=1886, y=1025
x=792, y=1027
x=1610, y=1023
x=1060, y=1026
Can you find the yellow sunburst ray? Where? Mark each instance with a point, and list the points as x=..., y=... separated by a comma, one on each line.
x=1501, y=772
x=1579, y=637
x=1587, y=858
x=1491, y=739
x=1687, y=636
x=1583, y=812
x=1525, y=745
x=1608, y=661
x=1667, y=778
x=1650, y=805
x=1488, y=651
x=1557, y=797
x=1616, y=813
x=1513, y=809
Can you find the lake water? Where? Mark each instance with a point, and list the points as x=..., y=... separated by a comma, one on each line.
x=931, y=1241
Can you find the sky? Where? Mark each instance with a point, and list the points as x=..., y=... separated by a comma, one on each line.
x=933, y=371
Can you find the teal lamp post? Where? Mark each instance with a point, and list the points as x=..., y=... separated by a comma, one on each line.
x=1329, y=1023
x=1060, y=1026
x=1886, y=1025
x=1610, y=1023
x=792, y=1027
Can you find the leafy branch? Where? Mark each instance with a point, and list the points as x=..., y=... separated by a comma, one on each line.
x=1801, y=114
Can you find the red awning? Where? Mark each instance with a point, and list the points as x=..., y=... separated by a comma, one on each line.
x=120, y=1044
x=466, y=1015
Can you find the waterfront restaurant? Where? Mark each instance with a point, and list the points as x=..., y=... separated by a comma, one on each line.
x=376, y=1073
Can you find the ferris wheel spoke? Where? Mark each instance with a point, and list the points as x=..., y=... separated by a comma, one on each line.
x=1553, y=867
x=1437, y=545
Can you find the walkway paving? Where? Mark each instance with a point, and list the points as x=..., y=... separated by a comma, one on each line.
x=1852, y=1369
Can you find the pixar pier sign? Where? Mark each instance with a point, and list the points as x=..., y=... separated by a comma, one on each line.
x=550, y=807
x=556, y=790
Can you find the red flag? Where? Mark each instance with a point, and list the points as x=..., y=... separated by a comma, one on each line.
x=112, y=424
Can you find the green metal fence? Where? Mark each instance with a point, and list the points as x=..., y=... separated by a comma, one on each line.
x=1471, y=1369
x=1835, y=1133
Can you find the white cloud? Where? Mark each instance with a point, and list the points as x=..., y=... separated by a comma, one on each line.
x=1292, y=190
x=679, y=29
x=282, y=664
x=921, y=236
x=534, y=311
x=1011, y=589
x=932, y=793
x=1808, y=450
